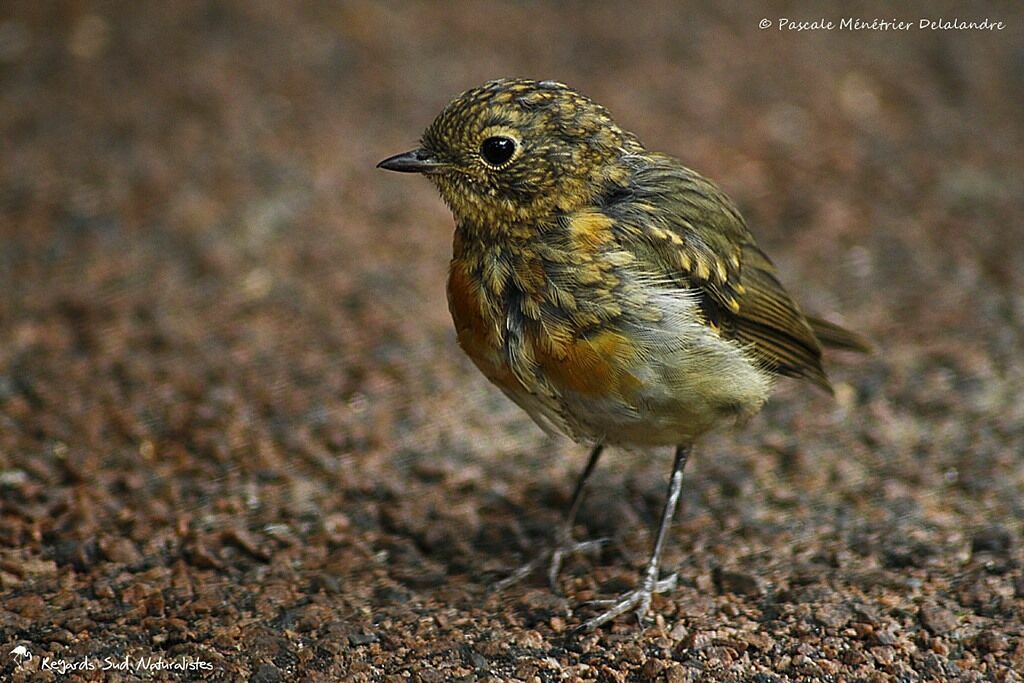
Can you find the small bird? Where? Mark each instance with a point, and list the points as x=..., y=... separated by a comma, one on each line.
x=611, y=292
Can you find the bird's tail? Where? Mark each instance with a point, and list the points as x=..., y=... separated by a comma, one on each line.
x=833, y=336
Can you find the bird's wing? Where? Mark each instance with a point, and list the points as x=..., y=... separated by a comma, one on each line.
x=683, y=228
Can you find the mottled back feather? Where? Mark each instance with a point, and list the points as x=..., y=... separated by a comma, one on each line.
x=740, y=292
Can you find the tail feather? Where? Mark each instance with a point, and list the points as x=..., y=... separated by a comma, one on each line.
x=834, y=336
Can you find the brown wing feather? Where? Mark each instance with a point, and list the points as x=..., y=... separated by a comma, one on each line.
x=685, y=226
x=772, y=322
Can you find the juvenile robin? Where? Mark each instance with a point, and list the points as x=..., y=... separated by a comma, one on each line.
x=612, y=293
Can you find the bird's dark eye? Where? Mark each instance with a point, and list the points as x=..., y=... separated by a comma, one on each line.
x=497, y=150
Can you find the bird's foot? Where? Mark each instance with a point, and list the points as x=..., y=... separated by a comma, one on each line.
x=638, y=600
x=553, y=557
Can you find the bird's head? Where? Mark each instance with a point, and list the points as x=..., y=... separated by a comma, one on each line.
x=518, y=151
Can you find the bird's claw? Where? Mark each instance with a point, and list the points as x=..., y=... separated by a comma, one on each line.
x=638, y=599
x=554, y=557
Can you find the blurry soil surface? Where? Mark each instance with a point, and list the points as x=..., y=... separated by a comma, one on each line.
x=237, y=436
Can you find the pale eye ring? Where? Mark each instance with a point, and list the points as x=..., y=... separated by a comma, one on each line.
x=497, y=150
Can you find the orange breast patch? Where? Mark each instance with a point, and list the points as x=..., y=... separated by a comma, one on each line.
x=596, y=366
x=476, y=327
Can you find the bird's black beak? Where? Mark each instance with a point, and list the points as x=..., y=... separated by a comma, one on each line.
x=416, y=161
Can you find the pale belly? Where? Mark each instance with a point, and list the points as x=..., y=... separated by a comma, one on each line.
x=632, y=383
x=681, y=396
x=688, y=381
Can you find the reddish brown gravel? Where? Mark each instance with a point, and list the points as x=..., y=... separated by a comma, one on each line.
x=236, y=433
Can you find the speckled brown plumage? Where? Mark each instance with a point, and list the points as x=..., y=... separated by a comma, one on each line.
x=613, y=293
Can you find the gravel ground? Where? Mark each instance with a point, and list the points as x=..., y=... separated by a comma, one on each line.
x=237, y=436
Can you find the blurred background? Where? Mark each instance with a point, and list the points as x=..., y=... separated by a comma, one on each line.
x=235, y=426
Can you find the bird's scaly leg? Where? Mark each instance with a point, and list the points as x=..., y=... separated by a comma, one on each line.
x=639, y=599
x=563, y=545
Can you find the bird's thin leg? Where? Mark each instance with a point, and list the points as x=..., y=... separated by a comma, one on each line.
x=639, y=599
x=563, y=543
